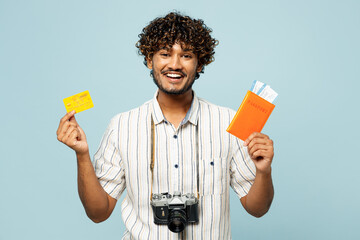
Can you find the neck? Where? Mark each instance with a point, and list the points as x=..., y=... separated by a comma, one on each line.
x=175, y=107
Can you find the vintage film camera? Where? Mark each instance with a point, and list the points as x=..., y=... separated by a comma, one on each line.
x=176, y=211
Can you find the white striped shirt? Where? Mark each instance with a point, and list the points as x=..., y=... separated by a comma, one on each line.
x=124, y=157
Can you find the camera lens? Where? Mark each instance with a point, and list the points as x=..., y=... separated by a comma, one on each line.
x=177, y=221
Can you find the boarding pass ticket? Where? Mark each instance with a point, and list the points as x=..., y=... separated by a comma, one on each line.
x=264, y=91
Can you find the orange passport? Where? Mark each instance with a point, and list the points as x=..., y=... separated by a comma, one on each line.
x=251, y=116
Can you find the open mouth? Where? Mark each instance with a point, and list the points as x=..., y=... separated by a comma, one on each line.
x=174, y=76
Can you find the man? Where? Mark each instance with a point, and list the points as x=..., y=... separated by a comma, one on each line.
x=175, y=142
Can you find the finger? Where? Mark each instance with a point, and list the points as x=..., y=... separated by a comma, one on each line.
x=81, y=133
x=65, y=119
x=64, y=128
x=254, y=135
x=69, y=136
x=258, y=155
x=261, y=154
x=73, y=138
x=67, y=116
x=258, y=147
x=70, y=139
x=78, y=134
x=73, y=120
x=263, y=141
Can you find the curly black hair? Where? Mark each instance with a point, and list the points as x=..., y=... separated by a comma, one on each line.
x=176, y=28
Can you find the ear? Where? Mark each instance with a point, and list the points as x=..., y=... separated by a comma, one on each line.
x=199, y=68
x=149, y=63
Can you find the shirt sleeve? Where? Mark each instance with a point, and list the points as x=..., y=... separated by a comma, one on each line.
x=242, y=169
x=107, y=162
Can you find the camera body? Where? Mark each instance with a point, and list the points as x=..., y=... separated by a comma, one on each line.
x=176, y=211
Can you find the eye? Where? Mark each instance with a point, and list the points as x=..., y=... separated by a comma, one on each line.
x=164, y=54
x=187, y=56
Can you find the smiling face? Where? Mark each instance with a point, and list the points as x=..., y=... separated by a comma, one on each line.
x=174, y=69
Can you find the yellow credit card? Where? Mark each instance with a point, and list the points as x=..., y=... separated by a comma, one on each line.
x=78, y=102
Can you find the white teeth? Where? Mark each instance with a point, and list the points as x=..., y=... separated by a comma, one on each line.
x=173, y=75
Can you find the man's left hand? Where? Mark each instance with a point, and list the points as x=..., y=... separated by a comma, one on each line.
x=261, y=151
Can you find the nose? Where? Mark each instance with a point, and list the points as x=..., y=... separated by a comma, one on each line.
x=175, y=62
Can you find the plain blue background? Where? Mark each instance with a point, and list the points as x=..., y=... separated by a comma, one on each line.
x=308, y=51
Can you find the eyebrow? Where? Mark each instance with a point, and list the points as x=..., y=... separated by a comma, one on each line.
x=169, y=49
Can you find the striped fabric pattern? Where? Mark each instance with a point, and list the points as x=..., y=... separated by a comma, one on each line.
x=124, y=156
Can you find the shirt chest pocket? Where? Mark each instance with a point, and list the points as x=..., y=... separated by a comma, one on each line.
x=213, y=173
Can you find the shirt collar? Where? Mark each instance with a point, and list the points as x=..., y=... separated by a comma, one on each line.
x=191, y=115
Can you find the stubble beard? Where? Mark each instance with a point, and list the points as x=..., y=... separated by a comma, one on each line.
x=183, y=90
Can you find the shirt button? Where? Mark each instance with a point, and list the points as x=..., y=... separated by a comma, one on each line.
x=166, y=122
x=175, y=136
x=176, y=166
x=212, y=163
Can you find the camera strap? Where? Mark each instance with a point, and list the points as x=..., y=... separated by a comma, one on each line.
x=152, y=163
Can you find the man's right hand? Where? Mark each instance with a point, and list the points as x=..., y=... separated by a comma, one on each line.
x=70, y=133
x=97, y=203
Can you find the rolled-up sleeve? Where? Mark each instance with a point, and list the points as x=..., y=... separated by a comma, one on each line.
x=108, y=163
